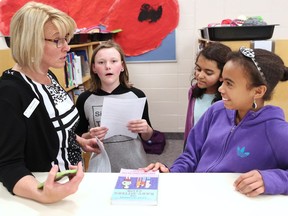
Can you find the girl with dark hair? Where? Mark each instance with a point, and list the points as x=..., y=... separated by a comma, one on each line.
x=204, y=86
x=240, y=134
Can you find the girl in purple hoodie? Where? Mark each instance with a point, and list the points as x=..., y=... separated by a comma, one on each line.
x=240, y=133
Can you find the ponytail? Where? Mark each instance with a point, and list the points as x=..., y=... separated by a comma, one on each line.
x=285, y=74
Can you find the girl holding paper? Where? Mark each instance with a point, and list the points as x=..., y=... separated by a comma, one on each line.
x=110, y=79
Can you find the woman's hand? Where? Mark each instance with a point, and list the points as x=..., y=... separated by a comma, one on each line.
x=98, y=132
x=251, y=184
x=88, y=145
x=156, y=166
x=52, y=191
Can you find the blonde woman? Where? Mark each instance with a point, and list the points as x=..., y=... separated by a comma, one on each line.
x=37, y=117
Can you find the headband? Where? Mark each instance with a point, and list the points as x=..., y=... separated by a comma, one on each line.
x=249, y=53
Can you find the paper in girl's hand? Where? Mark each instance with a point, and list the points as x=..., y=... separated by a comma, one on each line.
x=116, y=113
x=99, y=162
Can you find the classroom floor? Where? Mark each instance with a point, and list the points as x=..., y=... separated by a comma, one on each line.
x=173, y=148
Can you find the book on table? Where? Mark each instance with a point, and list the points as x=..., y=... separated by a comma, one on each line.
x=135, y=186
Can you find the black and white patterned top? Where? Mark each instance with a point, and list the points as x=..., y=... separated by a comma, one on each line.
x=64, y=117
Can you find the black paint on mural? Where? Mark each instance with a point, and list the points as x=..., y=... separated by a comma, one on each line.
x=148, y=13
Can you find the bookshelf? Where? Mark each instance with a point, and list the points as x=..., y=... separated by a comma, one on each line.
x=6, y=61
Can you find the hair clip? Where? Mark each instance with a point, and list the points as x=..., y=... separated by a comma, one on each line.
x=249, y=53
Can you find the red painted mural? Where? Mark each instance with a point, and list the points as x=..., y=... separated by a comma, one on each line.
x=144, y=23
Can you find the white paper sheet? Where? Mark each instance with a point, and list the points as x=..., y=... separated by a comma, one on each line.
x=116, y=113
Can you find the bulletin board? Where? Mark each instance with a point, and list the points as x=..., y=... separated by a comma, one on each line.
x=166, y=52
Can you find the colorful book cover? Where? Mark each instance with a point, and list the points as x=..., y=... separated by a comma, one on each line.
x=70, y=67
x=136, y=187
x=77, y=70
x=84, y=61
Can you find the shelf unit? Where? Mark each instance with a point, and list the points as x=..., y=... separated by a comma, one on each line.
x=6, y=61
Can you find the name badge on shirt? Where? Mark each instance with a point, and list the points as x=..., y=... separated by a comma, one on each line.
x=30, y=109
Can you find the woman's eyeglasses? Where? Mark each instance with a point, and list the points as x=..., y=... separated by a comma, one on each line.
x=59, y=42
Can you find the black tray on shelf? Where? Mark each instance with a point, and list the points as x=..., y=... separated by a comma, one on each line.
x=90, y=37
x=80, y=38
x=233, y=33
x=7, y=40
x=103, y=36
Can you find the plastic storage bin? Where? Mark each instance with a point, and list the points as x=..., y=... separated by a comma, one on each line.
x=80, y=38
x=233, y=33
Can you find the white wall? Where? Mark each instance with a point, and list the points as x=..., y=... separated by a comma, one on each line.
x=3, y=44
x=166, y=84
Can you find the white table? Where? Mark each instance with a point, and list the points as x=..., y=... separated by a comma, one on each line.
x=189, y=193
